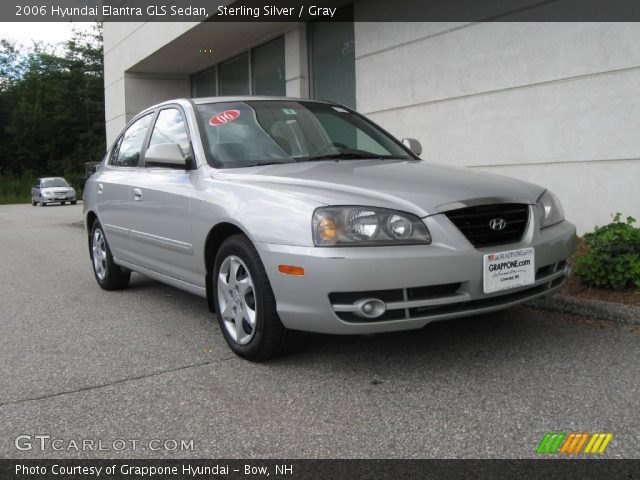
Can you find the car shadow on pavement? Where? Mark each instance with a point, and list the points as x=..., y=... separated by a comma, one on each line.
x=484, y=342
x=512, y=336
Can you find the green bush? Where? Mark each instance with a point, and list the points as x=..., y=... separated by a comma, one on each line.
x=16, y=189
x=609, y=256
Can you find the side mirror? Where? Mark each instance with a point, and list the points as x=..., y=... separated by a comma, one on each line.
x=413, y=145
x=165, y=154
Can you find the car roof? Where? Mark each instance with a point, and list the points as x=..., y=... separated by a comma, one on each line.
x=52, y=178
x=248, y=98
x=242, y=98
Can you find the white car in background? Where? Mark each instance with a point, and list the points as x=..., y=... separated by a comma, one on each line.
x=52, y=190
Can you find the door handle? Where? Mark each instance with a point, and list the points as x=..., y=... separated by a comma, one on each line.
x=137, y=194
x=100, y=188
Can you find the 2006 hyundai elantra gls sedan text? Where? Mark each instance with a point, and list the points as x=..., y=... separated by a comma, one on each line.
x=288, y=214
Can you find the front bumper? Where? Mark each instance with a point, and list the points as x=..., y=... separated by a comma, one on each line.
x=322, y=299
x=68, y=198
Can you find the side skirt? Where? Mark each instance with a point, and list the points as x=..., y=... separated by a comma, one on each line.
x=174, y=282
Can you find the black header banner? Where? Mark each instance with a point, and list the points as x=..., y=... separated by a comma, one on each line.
x=318, y=469
x=320, y=10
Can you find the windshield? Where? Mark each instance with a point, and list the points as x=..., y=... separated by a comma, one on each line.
x=242, y=134
x=54, y=182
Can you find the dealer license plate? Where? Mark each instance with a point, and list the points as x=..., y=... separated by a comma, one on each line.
x=510, y=269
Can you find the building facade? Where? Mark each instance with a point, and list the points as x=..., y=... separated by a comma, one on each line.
x=556, y=104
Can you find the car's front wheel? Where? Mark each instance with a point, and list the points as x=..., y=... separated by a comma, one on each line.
x=108, y=275
x=244, y=302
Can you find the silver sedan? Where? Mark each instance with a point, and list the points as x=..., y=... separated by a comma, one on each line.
x=290, y=214
x=52, y=190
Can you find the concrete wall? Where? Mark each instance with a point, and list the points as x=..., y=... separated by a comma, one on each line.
x=552, y=103
x=125, y=44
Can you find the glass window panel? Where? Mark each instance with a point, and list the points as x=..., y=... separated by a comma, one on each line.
x=234, y=76
x=127, y=153
x=268, y=68
x=203, y=84
x=332, y=61
x=170, y=128
x=240, y=134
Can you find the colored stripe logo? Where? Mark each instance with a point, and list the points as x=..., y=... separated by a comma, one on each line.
x=573, y=443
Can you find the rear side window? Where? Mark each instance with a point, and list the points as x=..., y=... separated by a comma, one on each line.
x=170, y=128
x=126, y=152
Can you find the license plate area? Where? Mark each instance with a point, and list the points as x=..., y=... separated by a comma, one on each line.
x=509, y=269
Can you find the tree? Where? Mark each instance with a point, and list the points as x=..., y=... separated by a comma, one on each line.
x=52, y=106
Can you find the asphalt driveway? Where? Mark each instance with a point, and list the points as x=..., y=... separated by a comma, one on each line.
x=78, y=363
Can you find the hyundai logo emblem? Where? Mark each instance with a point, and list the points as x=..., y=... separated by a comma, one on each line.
x=497, y=224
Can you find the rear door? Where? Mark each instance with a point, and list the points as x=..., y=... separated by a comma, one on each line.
x=161, y=204
x=115, y=183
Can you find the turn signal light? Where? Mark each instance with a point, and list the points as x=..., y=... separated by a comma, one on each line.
x=291, y=269
x=327, y=229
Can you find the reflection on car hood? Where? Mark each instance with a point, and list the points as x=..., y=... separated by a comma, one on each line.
x=416, y=186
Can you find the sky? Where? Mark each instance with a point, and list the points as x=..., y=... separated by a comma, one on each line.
x=49, y=32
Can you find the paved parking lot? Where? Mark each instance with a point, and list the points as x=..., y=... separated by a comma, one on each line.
x=78, y=363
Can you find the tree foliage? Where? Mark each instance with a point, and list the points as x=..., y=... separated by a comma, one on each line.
x=52, y=106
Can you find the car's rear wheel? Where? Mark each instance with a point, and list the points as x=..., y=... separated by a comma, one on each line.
x=244, y=302
x=108, y=275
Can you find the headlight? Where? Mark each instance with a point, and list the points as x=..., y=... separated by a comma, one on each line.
x=48, y=194
x=367, y=226
x=550, y=209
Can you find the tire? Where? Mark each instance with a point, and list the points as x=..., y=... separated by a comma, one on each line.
x=108, y=275
x=74, y=202
x=33, y=202
x=267, y=337
x=42, y=203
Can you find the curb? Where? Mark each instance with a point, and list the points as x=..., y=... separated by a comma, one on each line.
x=594, y=309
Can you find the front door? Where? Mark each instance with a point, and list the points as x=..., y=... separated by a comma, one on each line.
x=160, y=204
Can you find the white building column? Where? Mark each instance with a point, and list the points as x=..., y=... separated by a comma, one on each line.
x=296, y=62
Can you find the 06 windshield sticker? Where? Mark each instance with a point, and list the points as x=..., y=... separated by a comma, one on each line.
x=224, y=117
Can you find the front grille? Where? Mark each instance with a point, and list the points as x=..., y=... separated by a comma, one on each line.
x=550, y=269
x=473, y=222
x=486, y=302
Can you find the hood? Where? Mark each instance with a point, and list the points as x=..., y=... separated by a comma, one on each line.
x=420, y=187
x=56, y=189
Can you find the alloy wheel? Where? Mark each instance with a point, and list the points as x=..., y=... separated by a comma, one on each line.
x=237, y=299
x=99, y=249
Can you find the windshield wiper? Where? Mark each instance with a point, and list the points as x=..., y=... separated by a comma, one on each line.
x=348, y=156
x=261, y=164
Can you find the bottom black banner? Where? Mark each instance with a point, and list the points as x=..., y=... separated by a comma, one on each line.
x=318, y=469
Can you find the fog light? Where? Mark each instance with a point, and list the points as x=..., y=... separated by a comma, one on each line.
x=370, y=308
